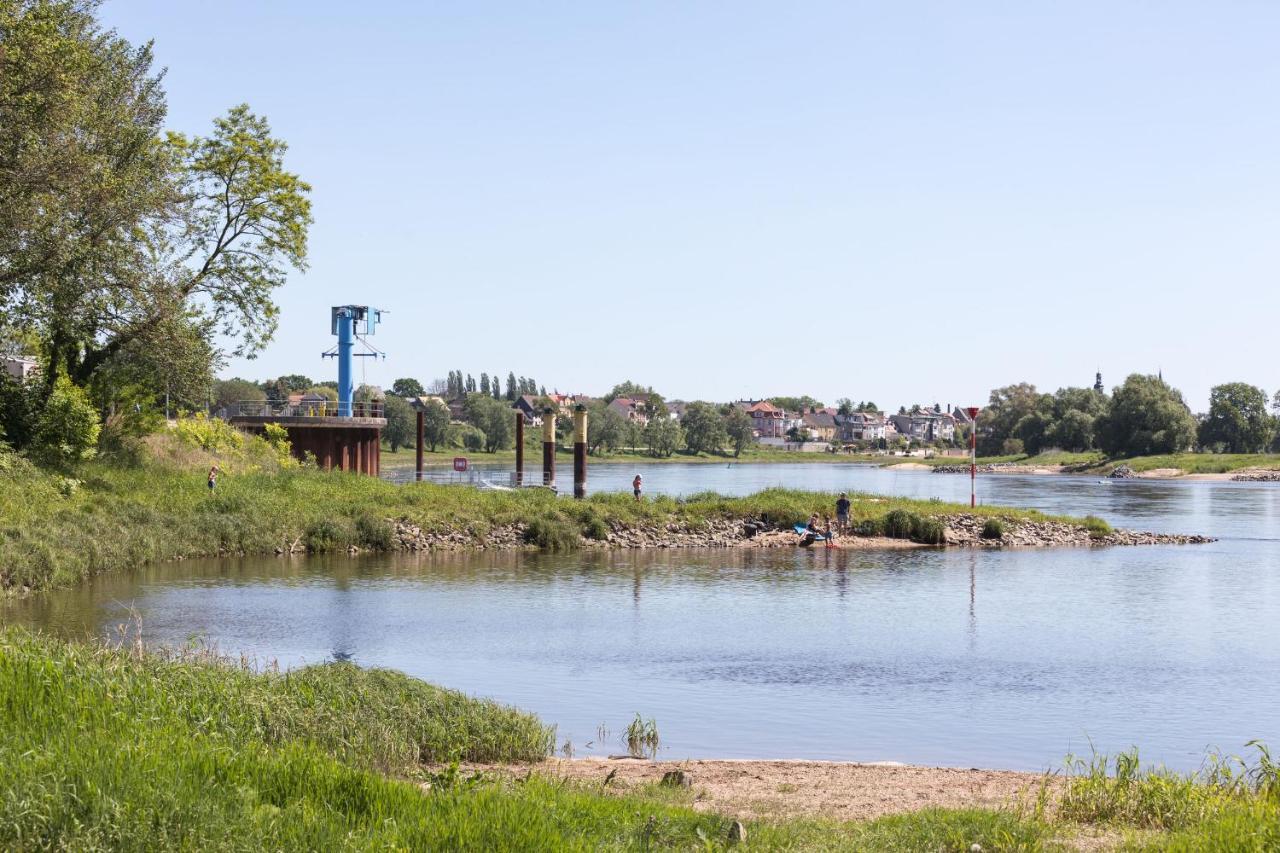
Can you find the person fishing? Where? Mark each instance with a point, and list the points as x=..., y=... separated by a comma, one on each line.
x=636, y=486
x=213, y=477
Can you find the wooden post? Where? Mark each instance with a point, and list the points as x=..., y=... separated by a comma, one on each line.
x=548, y=447
x=519, y=448
x=422, y=431
x=579, y=451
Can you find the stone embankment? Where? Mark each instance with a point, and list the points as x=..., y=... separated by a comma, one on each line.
x=1257, y=475
x=961, y=531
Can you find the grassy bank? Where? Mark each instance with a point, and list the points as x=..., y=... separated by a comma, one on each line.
x=56, y=529
x=120, y=749
x=123, y=750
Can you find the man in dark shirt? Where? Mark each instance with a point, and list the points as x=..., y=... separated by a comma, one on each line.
x=842, y=513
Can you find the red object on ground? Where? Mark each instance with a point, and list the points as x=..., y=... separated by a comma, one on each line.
x=459, y=463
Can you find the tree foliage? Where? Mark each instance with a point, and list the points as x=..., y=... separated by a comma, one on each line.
x=407, y=387
x=704, y=430
x=435, y=424
x=402, y=423
x=663, y=436
x=227, y=392
x=607, y=430
x=1237, y=420
x=493, y=418
x=68, y=426
x=1146, y=417
x=740, y=430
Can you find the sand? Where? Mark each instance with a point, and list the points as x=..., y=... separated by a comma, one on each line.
x=779, y=789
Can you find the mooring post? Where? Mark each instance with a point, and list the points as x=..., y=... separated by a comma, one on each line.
x=548, y=446
x=422, y=432
x=579, y=451
x=519, y=448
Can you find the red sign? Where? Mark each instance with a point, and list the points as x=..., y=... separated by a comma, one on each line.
x=973, y=412
x=459, y=463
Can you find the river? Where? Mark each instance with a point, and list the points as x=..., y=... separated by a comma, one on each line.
x=1005, y=659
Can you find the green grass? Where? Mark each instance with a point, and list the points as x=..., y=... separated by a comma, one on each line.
x=1231, y=804
x=114, y=517
x=1198, y=463
x=117, y=749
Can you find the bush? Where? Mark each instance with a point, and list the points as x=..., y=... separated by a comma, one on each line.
x=869, y=527
x=900, y=524
x=326, y=535
x=1012, y=447
x=551, y=533
x=596, y=529
x=1097, y=527
x=209, y=434
x=993, y=529
x=928, y=531
x=373, y=533
x=67, y=429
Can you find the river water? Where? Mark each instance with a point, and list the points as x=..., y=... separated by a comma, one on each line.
x=949, y=657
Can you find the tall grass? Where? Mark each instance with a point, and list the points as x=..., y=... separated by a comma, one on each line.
x=1230, y=804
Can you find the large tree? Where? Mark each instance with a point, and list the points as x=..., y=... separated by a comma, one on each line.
x=228, y=392
x=407, y=387
x=435, y=423
x=740, y=429
x=110, y=229
x=401, y=429
x=704, y=430
x=1237, y=419
x=663, y=436
x=1002, y=420
x=1146, y=417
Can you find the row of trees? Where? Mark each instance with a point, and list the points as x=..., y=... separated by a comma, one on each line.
x=457, y=386
x=1144, y=416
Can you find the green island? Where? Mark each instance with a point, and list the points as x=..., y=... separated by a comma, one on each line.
x=150, y=503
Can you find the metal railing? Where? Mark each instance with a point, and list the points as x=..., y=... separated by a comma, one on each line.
x=476, y=477
x=302, y=409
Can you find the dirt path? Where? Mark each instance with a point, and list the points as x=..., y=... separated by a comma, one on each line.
x=780, y=789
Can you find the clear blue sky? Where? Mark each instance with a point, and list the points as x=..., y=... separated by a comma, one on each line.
x=899, y=202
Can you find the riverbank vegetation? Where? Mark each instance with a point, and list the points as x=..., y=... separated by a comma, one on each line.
x=151, y=502
x=115, y=747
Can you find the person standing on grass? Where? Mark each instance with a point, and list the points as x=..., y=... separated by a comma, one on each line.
x=842, y=513
x=213, y=477
x=636, y=486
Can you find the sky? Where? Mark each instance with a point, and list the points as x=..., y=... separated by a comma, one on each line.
x=898, y=202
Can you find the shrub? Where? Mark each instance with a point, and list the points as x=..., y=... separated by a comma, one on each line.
x=67, y=429
x=929, y=531
x=869, y=527
x=993, y=529
x=374, y=533
x=1012, y=447
x=1097, y=527
x=208, y=434
x=326, y=535
x=596, y=529
x=551, y=533
x=900, y=524
x=278, y=437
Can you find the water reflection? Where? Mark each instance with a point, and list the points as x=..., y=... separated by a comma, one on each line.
x=794, y=653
